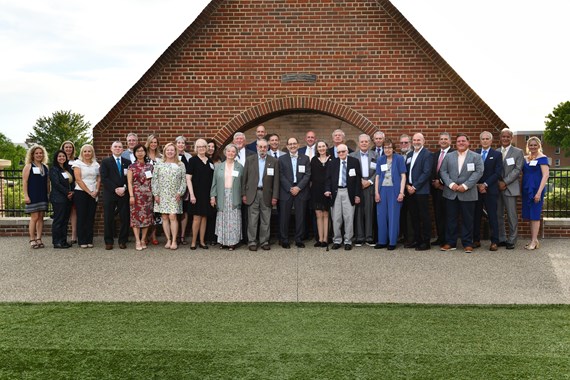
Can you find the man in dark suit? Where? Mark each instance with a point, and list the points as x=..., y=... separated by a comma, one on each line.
x=294, y=177
x=378, y=143
x=260, y=189
x=418, y=167
x=260, y=133
x=344, y=186
x=115, y=195
x=460, y=171
x=338, y=138
x=488, y=187
x=310, y=149
x=437, y=187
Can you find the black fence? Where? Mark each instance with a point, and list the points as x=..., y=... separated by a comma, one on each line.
x=556, y=203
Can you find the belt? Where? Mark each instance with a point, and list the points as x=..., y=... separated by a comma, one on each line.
x=342, y=187
x=294, y=183
x=260, y=188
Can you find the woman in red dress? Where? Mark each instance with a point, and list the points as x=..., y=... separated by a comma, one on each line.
x=139, y=179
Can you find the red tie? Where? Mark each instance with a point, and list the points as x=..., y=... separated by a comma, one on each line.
x=440, y=160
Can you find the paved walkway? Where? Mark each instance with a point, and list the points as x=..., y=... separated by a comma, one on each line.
x=296, y=275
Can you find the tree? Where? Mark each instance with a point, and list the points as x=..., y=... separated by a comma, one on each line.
x=61, y=126
x=557, y=130
x=11, y=151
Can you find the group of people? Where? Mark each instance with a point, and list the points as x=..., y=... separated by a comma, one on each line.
x=374, y=195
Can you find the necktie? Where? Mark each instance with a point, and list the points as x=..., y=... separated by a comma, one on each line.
x=119, y=167
x=503, y=152
x=440, y=160
x=379, y=151
x=275, y=154
x=484, y=155
x=310, y=150
x=343, y=177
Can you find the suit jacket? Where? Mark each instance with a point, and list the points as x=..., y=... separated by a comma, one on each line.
x=435, y=156
x=303, y=150
x=375, y=149
x=449, y=173
x=421, y=172
x=252, y=146
x=398, y=167
x=286, y=176
x=372, y=157
x=512, y=168
x=353, y=183
x=60, y=186
x=251, y=179
x=493, y=169
x=218, y=186
x=331, y=151
x=111, y=178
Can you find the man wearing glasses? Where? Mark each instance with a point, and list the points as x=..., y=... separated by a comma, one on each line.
x=294, y=176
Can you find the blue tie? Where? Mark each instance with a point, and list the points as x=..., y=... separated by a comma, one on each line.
x=343, y=177
x=119, y=166
x=484, y=155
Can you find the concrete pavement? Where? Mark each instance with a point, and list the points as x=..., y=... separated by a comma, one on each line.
x=296, y=275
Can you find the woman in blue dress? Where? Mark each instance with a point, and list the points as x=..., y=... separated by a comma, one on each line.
x=36, y=189
x=535, y=176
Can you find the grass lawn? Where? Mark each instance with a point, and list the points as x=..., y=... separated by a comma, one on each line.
x=291, y=341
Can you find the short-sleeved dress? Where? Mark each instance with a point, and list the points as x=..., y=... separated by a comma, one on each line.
x=142, y=211
x=202, y=174
x=168, y=180
x=532, y=176
x=37, y=190
x=318, y=178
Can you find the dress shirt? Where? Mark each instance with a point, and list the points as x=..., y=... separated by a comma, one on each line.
x=461, y=159
x=294, y=164
x=261, y=162
x=241, y=156
x=414, y=156
x=343, y=168
x=365, y=164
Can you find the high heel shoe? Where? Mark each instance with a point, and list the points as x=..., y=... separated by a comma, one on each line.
x=193, y=247
x=532, y=245
x=203, y=246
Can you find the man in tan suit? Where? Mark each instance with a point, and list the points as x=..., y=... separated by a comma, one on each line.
x=260, y=187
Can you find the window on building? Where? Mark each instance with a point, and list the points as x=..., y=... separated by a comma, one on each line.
x=557, y=150
x=557, y=163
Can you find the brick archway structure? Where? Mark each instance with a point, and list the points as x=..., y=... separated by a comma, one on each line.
x=265, y=111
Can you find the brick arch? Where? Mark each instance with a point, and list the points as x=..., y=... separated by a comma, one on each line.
x=282, y=106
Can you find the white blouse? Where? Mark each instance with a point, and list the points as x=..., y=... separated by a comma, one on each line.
x=89, y=174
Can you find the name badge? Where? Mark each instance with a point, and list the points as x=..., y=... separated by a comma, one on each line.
x=533, y=163
x=409, y=160
x=235, y=173
x=352, y=172
x=270, y=171
x=125, y=171
x=65, y=175
x=384, y=167
x=148, y=174
x=510, y=161
x=211, y=166
x=373, y=165
x=470, y=167
x=301, y=168
x=36, y=170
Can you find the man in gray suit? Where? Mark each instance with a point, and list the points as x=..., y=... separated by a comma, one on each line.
x=460, y=171
x=364, y=213
x=510, y=189
x=260, y=189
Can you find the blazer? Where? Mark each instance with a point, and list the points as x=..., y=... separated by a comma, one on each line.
x=218, y=186
x=111, y=178
x=252, y=146
x=353, y=183
x=435, y=155
x=303, y=150
x=449, y=173
x=286, y=176
x=512, y=168
x=493, y=169
x=372, y=157
x=398, y=167
x=421, y=172
x=251, y=179
x=60, y=186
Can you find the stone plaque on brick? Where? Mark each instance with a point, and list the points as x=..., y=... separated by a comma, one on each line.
x=298, y=77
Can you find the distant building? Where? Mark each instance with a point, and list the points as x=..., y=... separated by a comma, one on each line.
x=556, y=155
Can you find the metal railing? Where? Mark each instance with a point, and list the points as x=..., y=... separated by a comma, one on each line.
x=12, y=203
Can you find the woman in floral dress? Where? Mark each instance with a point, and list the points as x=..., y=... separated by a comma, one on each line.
x=139, y=178
x=169, y=185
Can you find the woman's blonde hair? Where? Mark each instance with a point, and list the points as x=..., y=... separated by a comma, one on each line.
x=83, y=149
x=32, y=150
x=535, y=139
x=147, y=145
x=70, y=143
x=165, y=159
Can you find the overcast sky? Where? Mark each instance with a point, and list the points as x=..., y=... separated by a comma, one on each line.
x=84, y=56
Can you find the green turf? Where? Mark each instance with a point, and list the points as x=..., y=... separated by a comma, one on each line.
x=291, y=341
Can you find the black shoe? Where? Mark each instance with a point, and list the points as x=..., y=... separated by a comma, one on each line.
x=347, y=247
x=60, y=246
x=380, y=246
x=410, y=245
x=502, y=244
x=335, y=246
x=286, y=245
x=358, y=243
x=391, y=247
x=300, y=244
x=370, y=243
x=423, y=247
x=66, y=245
x=510, y=245
x=317, y=244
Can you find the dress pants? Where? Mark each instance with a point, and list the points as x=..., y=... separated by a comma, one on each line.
x=258, y=211
x=421, y=220
x=489, y=201
x=61, y=212
x=121, y=206
x=364, y=216
x=466, y=209
x=388, y=215
x=285, y=206
x=509, y=204
x=342, y=211
x=85, y=206
x=439, y=205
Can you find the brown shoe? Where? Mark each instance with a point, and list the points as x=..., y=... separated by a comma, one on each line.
x=476, y=244
x=108, y=247
x=265, y=247
x=493, y=247
x=122, y=245
x=468, y=249
x=253, y=248
x=447, y=247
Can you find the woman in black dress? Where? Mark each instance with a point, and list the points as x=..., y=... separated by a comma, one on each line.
x=200, y=174
x=321, y=204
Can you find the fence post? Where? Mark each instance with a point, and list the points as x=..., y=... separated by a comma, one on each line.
x=3, y=165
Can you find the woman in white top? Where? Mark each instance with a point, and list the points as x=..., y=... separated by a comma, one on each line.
x=87, y=184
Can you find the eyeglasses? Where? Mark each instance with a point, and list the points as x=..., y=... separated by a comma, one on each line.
x=201, y=146
x=404, y=142
x=342, y=151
